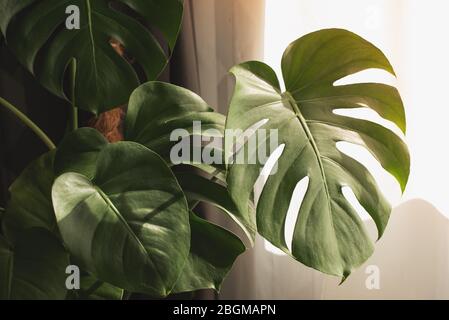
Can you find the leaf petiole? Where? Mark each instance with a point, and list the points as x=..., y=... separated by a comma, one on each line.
x=74, y=109
x=28, y=122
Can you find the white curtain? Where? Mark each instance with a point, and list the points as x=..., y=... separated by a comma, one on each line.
x=412, y=259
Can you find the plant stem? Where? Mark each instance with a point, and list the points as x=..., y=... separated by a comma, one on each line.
x=29, y=123
x=126, y=295
x=74, y=109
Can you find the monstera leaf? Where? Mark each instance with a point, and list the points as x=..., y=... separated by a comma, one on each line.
x=157, y=109
x=129, y=224
x=328, y=235
x=34, y=267
x=35, y=31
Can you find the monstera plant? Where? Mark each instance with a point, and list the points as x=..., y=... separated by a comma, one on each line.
x=126, y=215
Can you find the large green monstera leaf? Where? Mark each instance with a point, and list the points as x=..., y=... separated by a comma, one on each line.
x=328, y=235
x=129, y=224
x=35, y=31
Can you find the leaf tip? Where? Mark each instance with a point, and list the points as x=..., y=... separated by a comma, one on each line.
x=346, y=274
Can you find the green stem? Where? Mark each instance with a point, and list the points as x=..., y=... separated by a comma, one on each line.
x=74, y=109
x=126, y=295
x=29, y=123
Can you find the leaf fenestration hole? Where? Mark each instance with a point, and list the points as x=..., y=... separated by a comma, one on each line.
x=121, y=50
x=126, y=10
x=266, y=171
x=368, y=114
x=352, y=199
x=385, y=180
x=368, y=75
x=293, y=210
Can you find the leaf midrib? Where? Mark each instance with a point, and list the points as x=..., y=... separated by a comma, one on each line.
x=118, y=214
x=311, y=139
x=91, y=37
x=127, y=227
x=318, y=155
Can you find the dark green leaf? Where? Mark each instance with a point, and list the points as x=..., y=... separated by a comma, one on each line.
x=36, y=33
x=128, y=225
x=156, y=109
x=328, y=235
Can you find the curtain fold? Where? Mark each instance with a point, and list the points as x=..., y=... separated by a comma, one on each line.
x=216, y=35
